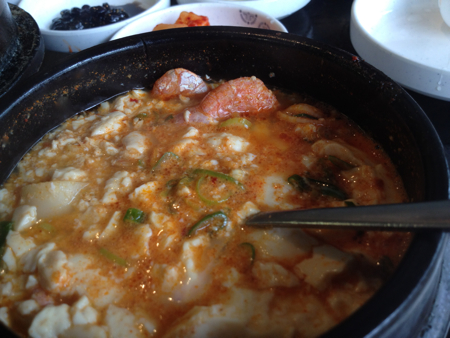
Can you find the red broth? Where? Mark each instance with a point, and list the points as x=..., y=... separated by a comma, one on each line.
x=127, y=221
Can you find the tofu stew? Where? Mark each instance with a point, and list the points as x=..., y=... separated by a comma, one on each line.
x=128, y=220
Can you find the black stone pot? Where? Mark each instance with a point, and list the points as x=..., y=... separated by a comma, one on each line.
x=367, y=96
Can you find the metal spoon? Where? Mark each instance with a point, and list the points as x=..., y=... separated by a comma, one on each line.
x=390, y=217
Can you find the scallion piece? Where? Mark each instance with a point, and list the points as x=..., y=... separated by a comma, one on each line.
x=141, y=164
x=208, y=195
x=217, y=220
x=166, y=157
x=251, y=248
x=299, y=182
x=304, y=184
x=206, y=172
x=134, y=215
x=210, y=200
x=5, y=227
x=306, y=116
x=114, y=258
x=142, y=116
x=328, y=189
x=236, y=122
x=340, y=163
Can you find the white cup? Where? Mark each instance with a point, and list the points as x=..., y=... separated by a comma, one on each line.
x=444, y=7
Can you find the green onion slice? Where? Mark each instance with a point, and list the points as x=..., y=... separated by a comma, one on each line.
x=141, y=164
x=250, y=248
x=304, y=184
x=134, y=215
x=166, y=157
x=299, y=182
x=214, y=188
x=306, y=116
x=216, y=220
x=236, y=122
x=340, y=163
x=5, y=227
x=206, y=172
x=114, y=258
x=142, y=116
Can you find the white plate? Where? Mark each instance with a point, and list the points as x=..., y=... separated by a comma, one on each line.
x=218, y=15
x=276, y=8
x=406, y=39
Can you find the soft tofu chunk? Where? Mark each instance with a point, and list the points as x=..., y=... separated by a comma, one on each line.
x=51, y=270
x=121, y=323
x=85, y=280
x=83, y=313
x=191, y=132
x=24, y=216
x=197, y=274
x=6, y=289
x=159, y=220
x=18, y=244
x=275, y=192
x=270, y=274
x=30, y=260
x=187, y=146
x=69, y=174
x=325, y=262
x=225, y=143
x=84, y=331
x=4, y=316
x=247, y=159
x=143, y=232
x=244, y=315
x=108, y=124
x=10, y=260
x=282, y=244
x=119, y=182
x=52, y=198
x=112, y=225
x=50, y=322
x=135, y=142
x=247, y=210
x=31, y=282
x=144, y=193
x=27, y=307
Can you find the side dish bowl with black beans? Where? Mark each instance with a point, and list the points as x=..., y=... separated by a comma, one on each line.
x=88, y=17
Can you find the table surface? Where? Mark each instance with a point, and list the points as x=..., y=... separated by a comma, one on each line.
x=328, y=21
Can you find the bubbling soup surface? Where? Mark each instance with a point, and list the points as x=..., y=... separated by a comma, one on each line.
x=128, y=220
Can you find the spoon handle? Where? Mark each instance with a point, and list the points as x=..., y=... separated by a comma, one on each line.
x=407, y=216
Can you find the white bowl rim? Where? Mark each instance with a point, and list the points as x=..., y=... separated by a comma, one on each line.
x=190, y=7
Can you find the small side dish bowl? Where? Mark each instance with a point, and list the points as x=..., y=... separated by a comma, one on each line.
x=218, y=15
x=69, y=41
x=277, y=8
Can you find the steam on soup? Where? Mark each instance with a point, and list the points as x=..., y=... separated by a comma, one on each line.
x=127, y=221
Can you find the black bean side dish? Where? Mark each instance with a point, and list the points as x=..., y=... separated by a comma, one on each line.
x=88, y=17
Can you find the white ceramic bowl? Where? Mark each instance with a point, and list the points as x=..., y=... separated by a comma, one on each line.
x=276, y=8
x=406, y=39
x=218, y=15
x=76, y=40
